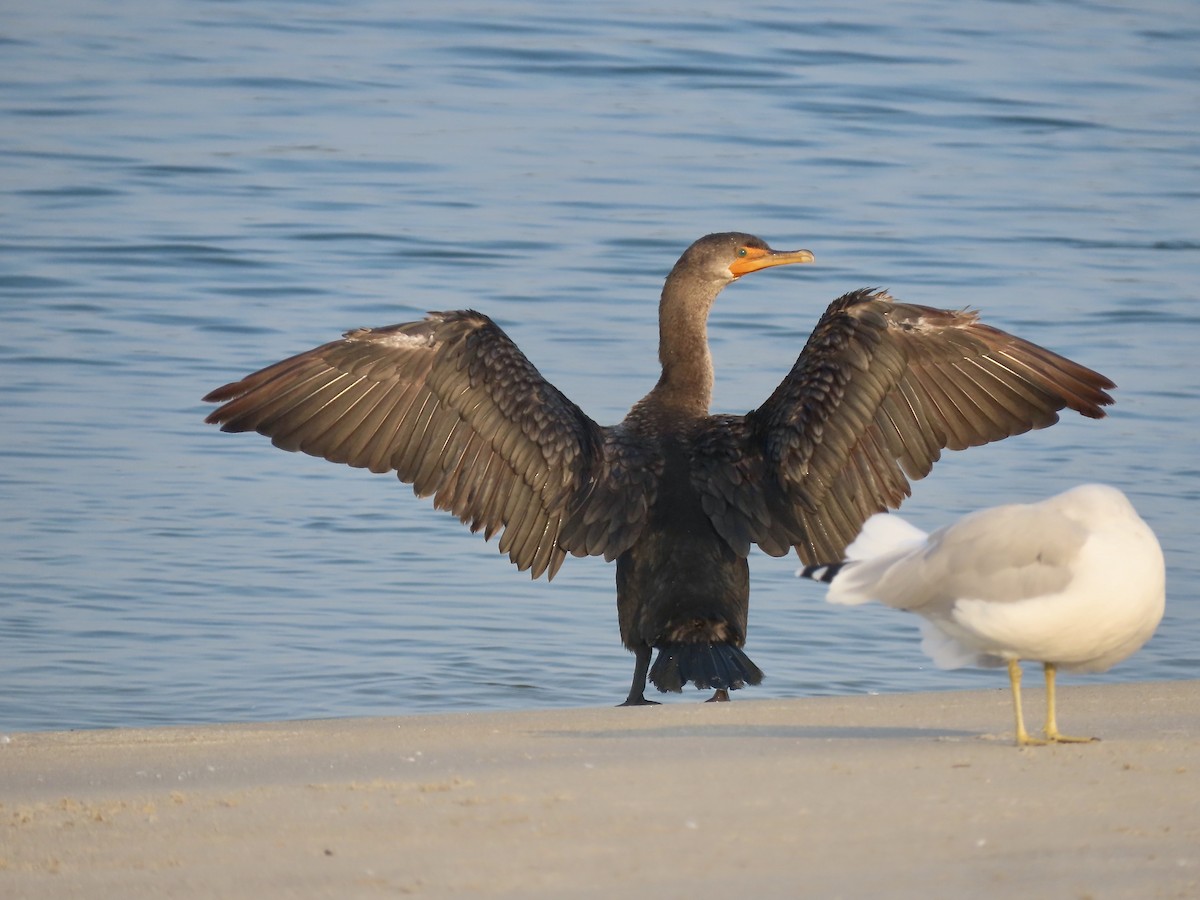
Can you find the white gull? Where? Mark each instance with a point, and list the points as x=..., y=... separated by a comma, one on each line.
x=1076, y=582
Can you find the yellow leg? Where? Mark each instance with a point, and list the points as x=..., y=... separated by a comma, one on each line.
x=1052, y=733
x=1014, y=679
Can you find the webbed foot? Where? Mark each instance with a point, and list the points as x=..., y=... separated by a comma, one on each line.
x=638, y=700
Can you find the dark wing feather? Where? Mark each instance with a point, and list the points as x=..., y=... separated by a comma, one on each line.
x=741, y=497
x=454, y=408
x=879, y=390
x=607, y=517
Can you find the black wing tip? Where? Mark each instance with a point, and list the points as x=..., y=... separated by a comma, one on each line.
x=822, y=572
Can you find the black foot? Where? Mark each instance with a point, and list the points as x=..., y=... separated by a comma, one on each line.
x=639, y=700
x=641, y=664
x=721, y=696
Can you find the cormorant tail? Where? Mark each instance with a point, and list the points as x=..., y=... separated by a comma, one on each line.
x=715, y=666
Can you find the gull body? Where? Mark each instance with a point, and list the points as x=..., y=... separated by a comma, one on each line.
x=1076, y=582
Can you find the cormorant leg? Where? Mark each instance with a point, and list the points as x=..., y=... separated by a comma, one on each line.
x=1014, y=679
x=641, y=666
x=1052, y=733
x=721, y=696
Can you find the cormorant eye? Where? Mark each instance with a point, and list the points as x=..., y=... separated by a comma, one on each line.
x=741, y=251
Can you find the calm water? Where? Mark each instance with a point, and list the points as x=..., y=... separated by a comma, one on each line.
x=193, y=190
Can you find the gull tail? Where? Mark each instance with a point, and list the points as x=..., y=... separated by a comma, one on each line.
x=883, y=540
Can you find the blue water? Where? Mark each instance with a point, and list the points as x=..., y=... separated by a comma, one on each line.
x=193, y=190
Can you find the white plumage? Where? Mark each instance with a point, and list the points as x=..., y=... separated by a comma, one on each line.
x=1076, y=581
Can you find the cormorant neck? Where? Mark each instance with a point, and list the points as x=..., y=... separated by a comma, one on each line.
x=687, y=370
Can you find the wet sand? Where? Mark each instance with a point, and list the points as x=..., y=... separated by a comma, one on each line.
x=899, y=796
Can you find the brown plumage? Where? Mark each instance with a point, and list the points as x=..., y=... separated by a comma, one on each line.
x=675, y=495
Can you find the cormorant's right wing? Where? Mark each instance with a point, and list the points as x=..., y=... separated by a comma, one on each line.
x=880, y=389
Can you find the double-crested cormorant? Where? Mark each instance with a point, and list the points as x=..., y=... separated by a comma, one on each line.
x=1076, y=581
x=674, y=494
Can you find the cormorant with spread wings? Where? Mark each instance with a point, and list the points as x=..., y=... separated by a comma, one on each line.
x=674, y=494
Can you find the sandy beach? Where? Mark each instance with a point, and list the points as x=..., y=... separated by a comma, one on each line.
x=899, y=796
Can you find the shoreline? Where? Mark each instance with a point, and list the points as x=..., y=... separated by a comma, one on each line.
x=901, y=794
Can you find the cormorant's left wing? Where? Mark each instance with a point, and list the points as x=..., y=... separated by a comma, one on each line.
x=453, y=407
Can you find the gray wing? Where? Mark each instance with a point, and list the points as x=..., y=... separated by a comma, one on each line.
x=880, y=389
x=1028, y=550
x=452, y=406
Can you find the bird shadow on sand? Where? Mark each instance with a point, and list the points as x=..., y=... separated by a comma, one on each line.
x=789, y=732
